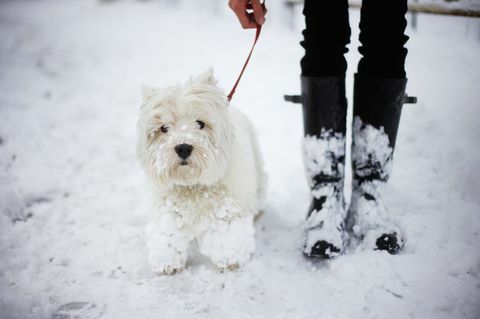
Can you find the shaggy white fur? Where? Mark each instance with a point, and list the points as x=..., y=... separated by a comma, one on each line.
x=212, y=195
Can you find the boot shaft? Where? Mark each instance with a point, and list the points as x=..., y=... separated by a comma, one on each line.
x=378, y=102
x=324, y=115
x=324, y=104
x=376, y=116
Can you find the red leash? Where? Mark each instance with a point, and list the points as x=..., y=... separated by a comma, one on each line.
x=257, y=35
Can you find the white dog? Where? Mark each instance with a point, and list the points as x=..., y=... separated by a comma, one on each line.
x=203, y=161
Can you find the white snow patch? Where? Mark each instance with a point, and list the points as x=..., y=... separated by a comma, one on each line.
x=371, y=149
x=321, y=157
x=327, y=223
x=372, y=154
x=319, y=154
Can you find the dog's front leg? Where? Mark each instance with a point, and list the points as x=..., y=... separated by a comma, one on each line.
x=229, y=243
x=167, y=243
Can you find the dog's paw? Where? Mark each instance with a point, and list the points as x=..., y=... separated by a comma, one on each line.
x=168, y=246
x=167, y=261
x=230, y=247
x=165, y=269
x=232, y=267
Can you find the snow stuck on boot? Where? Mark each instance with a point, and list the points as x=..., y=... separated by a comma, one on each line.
x=324, y=163
x=372, y=163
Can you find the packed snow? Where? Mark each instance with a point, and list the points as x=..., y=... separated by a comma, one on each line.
x=74, y=202
x=372, y=154
x=323, y=155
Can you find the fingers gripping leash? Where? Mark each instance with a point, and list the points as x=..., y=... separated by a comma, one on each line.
x=257, y=35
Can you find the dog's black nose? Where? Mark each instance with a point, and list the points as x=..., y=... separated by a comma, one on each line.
x=183, y=150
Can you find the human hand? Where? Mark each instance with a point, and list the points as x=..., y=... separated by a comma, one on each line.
x=250, y=13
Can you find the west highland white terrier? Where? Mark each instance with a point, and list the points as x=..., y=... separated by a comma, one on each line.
x=206, y=171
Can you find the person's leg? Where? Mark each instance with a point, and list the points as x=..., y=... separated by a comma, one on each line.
x=379, y=93
x=326, y=35
x=382, y=37
x=324, y=112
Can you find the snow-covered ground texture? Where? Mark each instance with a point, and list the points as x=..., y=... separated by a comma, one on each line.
x=69, y=95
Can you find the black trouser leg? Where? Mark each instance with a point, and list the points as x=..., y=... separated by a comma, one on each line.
x=382, y=37
x=326, y=35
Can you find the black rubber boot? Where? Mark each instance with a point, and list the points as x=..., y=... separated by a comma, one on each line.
x=324, y=116
x=377, y=108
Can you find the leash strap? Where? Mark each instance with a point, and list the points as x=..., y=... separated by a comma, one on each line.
x=257, y=35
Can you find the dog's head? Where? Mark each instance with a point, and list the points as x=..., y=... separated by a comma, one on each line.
x=184, y=133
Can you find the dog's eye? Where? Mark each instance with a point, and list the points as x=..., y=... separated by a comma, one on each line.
x=164, y=129
x=201, y=124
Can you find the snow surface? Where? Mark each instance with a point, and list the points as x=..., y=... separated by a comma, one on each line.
x=69, y=95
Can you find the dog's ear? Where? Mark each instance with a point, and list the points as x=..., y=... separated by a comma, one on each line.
x=148, y=92
x=207, y=77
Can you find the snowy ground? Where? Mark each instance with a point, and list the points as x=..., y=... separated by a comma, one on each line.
x=69, y=95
